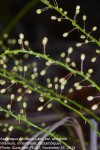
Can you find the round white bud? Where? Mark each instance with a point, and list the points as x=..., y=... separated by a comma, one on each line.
x=79, y=87
x=62, y=54
x=24, y=104
x=94, y=28
x=43, y=72
x=19, y=98
x=45, y=40
x=21, y=35
x=10, y=128
x=90, y=70
x=25, y=68
x=97, y=51
x=65, y=12
x=70, y=90
x=59, y=19
x=82, y=36
x=12, y=96
x=70, y=50
x=86, y=41
x=93, y=59
x=94, y=107
x=78, y=44
x=8, y=106
x=65, y=34
x=56, y=86
x=76, y=84
x=53, y=17
x=82, y=56
x=40, y=108
x=49, y=85
x=77, y=7
x=84, y=17
x=2, y=90
x=73, y=64
x=26, y=43
x=67, y=60
x=90, y=98
x=61, y=80
x=49, y=105
x=38, y=11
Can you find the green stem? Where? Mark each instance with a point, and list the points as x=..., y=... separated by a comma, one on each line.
x=8, y=75
x=53, y=61
x=56, y=99
x=72, y=21
x=35, y=126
